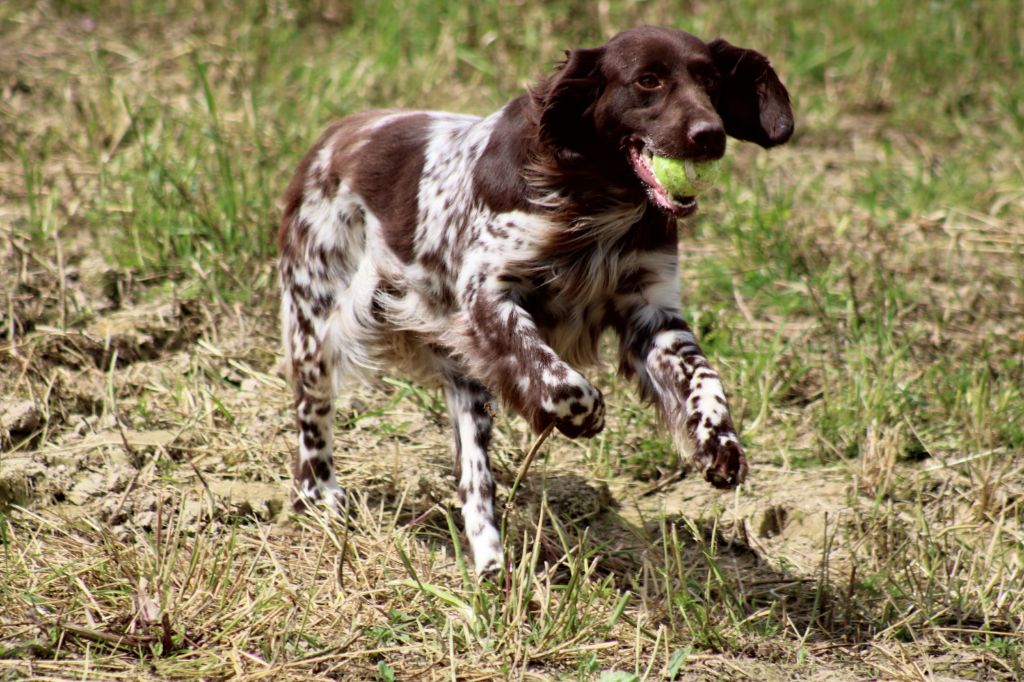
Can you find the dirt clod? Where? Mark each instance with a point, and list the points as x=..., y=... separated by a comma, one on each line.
x=18, y=418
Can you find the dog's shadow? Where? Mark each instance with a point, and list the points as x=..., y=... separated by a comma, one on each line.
x=679, y=567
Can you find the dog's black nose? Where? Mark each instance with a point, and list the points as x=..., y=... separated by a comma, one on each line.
x=706, y=140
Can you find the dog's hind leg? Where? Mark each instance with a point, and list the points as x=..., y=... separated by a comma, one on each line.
x=313, y=465
x=313, y=468
x=472, y=422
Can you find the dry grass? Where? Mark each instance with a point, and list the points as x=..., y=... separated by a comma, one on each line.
x=861, y=290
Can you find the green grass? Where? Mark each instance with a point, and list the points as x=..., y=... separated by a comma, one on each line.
x=860, y=289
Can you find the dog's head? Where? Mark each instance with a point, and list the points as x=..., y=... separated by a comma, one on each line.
x=655, y=91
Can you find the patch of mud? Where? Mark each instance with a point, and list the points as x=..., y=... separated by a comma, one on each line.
x=120, y=477
x=124, y=337
x=56, y=286
x=789, y=518
x=263, y=501
x=77, y=472
x=25, y=480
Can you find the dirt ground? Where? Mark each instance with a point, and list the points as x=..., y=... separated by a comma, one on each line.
x=142, y=413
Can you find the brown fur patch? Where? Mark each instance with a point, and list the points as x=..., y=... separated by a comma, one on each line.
x=388, y=179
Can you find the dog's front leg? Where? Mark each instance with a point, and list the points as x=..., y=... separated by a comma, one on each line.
x=504, y=349
x=658, y=348
x=472, y=421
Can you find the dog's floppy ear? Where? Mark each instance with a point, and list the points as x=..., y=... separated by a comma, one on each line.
x=565, y=99
x=753, y=102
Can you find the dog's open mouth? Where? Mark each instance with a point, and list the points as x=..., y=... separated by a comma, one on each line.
x=640, y=157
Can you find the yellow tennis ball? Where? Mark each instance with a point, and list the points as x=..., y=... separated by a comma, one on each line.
x=685, y=178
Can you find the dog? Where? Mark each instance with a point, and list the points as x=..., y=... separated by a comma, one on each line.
x=488, y=255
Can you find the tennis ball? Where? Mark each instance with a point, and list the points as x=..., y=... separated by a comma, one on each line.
x=684, y=178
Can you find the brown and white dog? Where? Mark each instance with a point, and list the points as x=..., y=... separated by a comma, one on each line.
x=489, y=254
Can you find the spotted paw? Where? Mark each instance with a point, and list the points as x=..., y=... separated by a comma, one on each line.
x=320, y=494
x=489, y=566
x=574, y=405
x=722, y=460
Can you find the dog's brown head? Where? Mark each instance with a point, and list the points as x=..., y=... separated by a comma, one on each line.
x=656, y=91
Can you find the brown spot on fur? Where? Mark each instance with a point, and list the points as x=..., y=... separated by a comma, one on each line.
x=322, y=304
x=301, y=291
x=498, y=176
x=486, y=490
x=321, y=469
x=305, y=326
x=388, y=179
x=313, y=470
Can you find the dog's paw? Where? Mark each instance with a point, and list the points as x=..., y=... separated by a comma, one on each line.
x=489, y=562
x=721, y=458
x=574, y=405
x=319, y=494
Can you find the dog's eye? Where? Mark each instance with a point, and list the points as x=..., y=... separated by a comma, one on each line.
x=708, y=81
x=648, y=82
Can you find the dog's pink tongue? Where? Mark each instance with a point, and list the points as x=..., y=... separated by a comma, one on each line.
x=644, y=169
